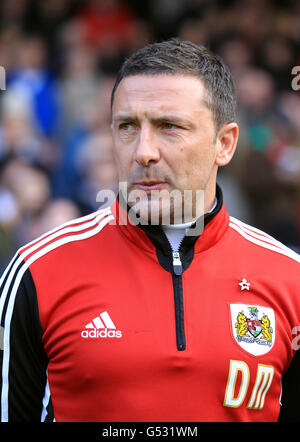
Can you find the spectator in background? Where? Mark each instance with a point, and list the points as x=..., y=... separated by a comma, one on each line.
x=96, y=168
x=111, y=27
x=31, y=190
x=18, y=137
x=31, y=77
x=56, y=212
x=91, y=124
x=79, y=84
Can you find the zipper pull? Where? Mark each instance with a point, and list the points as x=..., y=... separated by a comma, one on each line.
x=177, y=265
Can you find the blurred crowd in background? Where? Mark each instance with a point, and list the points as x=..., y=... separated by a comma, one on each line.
x=61, y=58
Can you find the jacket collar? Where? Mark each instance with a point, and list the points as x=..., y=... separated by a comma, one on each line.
x=153, y=238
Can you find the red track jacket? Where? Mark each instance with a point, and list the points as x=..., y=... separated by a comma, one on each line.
x=102, y=322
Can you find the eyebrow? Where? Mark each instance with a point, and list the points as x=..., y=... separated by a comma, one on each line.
x=123, y=117
x=163, y=118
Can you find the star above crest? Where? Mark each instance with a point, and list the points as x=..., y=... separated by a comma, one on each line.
x=244, y=284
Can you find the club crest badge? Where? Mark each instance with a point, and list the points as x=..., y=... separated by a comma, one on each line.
x=253, y=327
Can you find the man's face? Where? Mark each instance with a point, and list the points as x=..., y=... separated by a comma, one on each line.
x=164, y=139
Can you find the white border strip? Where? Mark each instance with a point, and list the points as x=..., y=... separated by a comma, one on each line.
x=46, y=400
x=259, y=234
x=283, y=251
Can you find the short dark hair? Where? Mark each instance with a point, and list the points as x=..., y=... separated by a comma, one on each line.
x=176, y=56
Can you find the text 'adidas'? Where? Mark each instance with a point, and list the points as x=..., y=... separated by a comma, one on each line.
x=101, y=327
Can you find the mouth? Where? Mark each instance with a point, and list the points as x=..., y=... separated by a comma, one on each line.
x=149, y=185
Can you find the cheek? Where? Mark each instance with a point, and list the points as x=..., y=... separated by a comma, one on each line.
x=195, y=166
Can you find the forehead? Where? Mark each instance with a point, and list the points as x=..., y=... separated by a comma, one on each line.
x=162, y=92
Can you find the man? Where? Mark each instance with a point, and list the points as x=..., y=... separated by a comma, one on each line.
x=115, y=317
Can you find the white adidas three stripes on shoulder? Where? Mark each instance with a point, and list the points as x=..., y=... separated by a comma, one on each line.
x=262, y=239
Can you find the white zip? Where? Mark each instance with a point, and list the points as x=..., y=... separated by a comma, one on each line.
x=177, y=264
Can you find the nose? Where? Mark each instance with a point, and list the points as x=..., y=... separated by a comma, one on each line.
x=147, y=151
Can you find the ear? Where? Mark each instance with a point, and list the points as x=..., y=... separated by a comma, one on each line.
x=226, y=143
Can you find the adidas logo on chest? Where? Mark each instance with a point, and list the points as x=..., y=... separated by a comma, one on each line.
x=101, y=327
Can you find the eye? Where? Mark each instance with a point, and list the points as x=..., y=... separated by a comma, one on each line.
x=170, y=126
x=126, y=126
